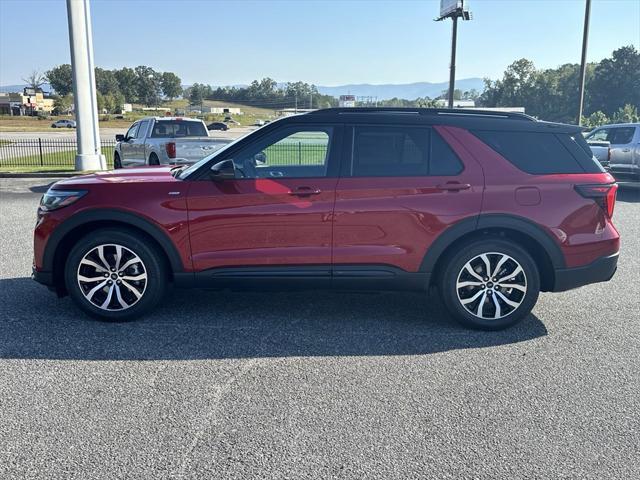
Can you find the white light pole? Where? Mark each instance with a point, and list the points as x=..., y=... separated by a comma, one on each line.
x=89, y=156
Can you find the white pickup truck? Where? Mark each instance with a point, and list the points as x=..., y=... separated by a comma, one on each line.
x=164, y=141
x=624, y=148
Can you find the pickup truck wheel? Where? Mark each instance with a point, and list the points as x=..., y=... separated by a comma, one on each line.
x=153, y=159
x=490, y=284
x=114, y=275
x=116, y=161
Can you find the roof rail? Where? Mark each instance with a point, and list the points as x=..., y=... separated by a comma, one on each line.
x=466, y=112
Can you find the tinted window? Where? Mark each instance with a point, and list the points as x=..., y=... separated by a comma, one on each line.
x=533, y=152
x=442, y=161
x=621, y=136
x=178, y=128
x=401, y=151
x=290, y=153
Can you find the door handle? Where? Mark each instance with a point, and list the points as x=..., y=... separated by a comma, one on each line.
x=453, y=186
x=305, y=191
x=626, y=150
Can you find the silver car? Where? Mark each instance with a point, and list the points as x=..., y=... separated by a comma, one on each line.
x=64, y=124
x=624, y=140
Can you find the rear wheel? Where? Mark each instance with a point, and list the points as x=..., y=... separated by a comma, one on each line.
x=115, y=275
x=153, y=159
x=490, y=284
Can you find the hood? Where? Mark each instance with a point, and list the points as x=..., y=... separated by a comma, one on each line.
x=152, y=174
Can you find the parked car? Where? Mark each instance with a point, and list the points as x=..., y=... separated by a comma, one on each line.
x=624, y=140
x=218, y=126
x=489, y=207
x=164, y=141
x=64, y=124
x=259, y=123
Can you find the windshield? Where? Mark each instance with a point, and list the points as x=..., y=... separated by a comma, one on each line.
x=192, y=168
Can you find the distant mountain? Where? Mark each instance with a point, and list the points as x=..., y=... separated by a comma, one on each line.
x=408, y=91
x=18, y=88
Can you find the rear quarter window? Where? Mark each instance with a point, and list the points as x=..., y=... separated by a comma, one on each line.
x=541, y=153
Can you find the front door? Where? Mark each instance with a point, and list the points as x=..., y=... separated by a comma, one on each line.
x=400, y=188
x=128, y=147
x=276, y=214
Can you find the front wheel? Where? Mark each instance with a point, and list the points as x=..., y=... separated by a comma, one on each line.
x=116, y=161
x=490, y=284
x=115, y=275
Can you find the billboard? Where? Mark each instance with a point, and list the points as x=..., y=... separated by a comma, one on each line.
x=447, y=7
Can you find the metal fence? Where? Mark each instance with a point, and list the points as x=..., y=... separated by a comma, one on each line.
x=296, y=153
x=45, y=152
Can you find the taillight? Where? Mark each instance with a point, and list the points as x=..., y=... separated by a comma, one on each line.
x=603, y=195
x=170, y=147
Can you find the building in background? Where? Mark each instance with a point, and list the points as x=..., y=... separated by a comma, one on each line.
x=347, y=101
x=29, y=102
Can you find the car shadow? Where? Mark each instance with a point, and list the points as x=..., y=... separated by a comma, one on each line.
x=200, y=324
x=628, y=192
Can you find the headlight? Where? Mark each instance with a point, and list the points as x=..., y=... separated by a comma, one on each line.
x=55, y=199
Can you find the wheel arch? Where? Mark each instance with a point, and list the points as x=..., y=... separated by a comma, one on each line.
x=69, y=232
x=532, y=237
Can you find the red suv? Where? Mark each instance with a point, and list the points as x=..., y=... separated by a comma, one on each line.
x=491, y=208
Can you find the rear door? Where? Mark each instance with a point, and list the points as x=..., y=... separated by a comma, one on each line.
x=275, y=216
x=400, y=188
x=621, y=139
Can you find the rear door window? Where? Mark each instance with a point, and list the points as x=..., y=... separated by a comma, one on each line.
x=399, y=151
x=621, y=135
x=537, y=153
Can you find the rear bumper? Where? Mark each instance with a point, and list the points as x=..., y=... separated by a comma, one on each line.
x=601, y=270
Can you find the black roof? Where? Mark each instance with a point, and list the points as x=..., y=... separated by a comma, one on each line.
x=473, y=119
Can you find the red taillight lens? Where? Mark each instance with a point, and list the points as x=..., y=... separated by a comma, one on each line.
x=604, y=195
x=171, y=149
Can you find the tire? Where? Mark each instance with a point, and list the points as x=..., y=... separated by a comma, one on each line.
x=116, y=161
x=474, y=299
x=153, y=159
x=145, y=273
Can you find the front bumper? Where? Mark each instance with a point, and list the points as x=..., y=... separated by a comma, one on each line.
x=600, y=270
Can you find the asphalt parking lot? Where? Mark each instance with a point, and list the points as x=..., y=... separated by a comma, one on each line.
x=316, y=385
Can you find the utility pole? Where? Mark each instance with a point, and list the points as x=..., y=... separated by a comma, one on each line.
x=296, y=96
x=583, y=64
x=452, y=67
x=89, y=156
x=453, y=9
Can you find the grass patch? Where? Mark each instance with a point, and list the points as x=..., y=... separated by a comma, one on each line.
x=55, y=160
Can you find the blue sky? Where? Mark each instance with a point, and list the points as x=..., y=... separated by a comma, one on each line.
x=323, y=42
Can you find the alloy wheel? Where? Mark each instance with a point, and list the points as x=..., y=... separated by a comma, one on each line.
x=491, y=285
x=112, y=277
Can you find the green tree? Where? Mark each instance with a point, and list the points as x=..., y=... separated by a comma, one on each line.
x=126, y=78
x=195, y=94
x=61, y=79
x=616, y=81
x=62, y=104
x=595, y=120
x=106, y=81
x=148, y=85
x=171, y=85
x=626, y=114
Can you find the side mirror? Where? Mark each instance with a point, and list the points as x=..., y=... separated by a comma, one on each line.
x=223, y=170
x=119, y=137
x=260, y=158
